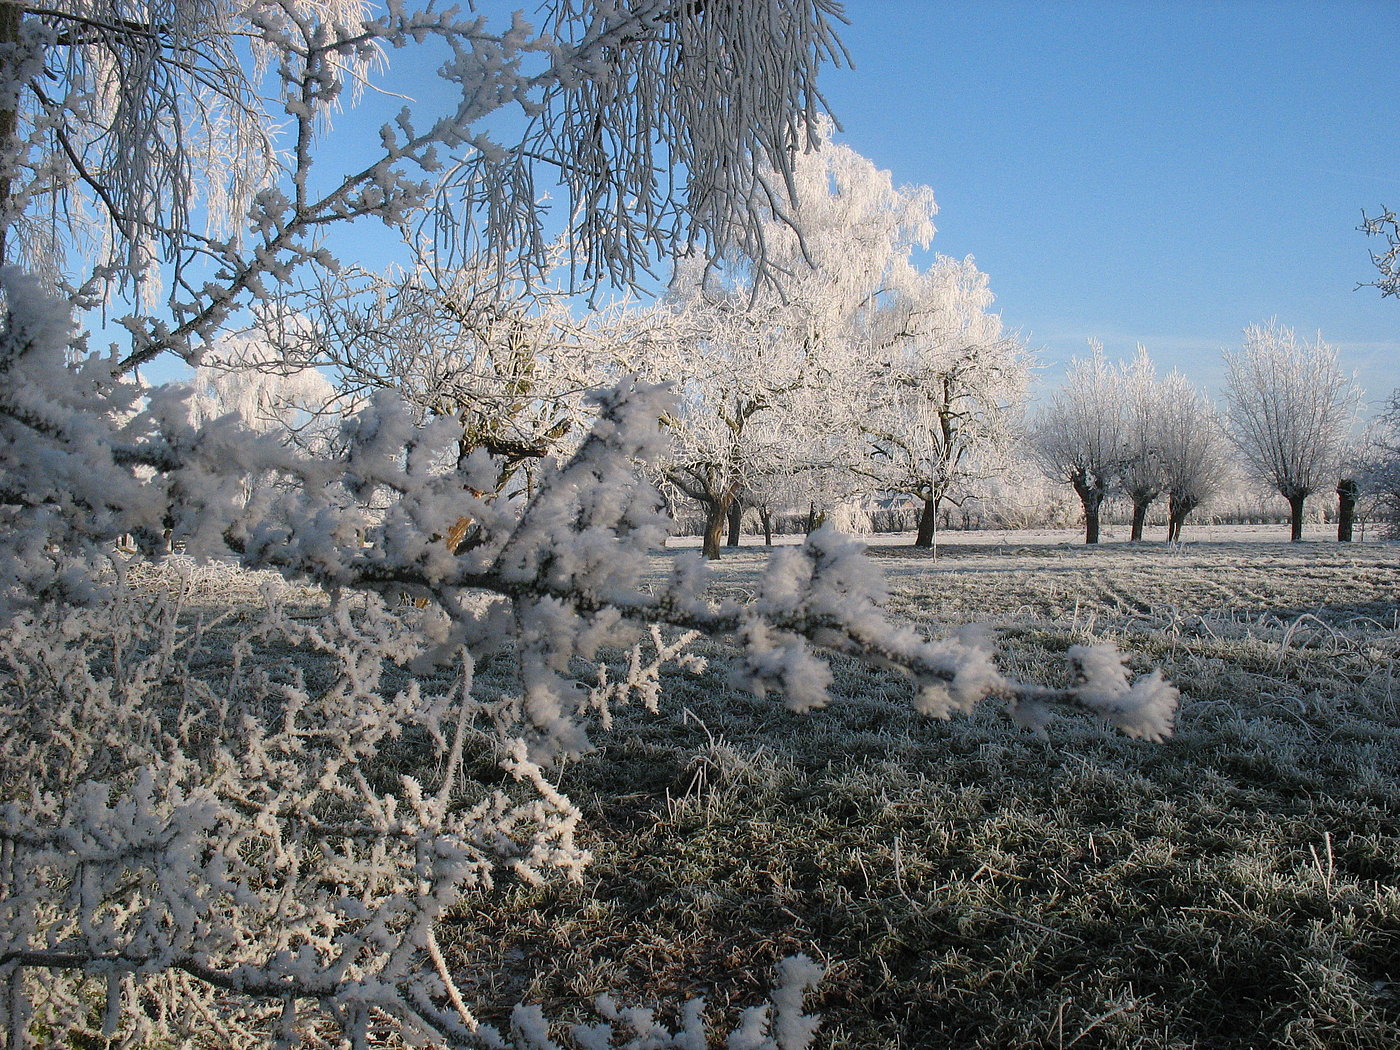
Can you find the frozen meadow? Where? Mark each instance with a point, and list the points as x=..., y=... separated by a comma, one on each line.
x=967, y=883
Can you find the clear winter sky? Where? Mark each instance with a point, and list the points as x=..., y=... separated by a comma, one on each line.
x=1155, y=171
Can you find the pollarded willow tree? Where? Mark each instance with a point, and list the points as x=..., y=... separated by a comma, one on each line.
x=1079, y=438
x=1124, y=429
x=1142, y=475
x=199, y=845
x=1289, y=407
x=1108, y=429
x=1192, y=449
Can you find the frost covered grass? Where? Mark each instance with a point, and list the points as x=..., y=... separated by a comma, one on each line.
x=962, y=883
x=967, y=884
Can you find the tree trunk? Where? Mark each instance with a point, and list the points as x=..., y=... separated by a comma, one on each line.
x=11, y=16
x=1092, y=500
x=765, y=518
x=716, y=514
x=736, y=520
x=1176, y=517
x=1139, y=519
x=815, y=518
x=1091, y=523
x=1091, y=495
x=1295, y=516
x=1346, y=509
x=928, y=524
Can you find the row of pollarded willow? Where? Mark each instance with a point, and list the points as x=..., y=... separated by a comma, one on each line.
x=1111, y=429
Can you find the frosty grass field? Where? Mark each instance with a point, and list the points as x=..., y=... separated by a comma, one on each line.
x=969, y=885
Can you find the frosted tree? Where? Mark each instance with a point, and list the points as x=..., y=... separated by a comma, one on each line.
x=1192, y=449
x=917, y=389
x=1079, y=438
x=1289, y=408
x=1142, y=473
x=506, y=358
x=909, y=383
x=740, y=378
x=784, y=356
x=1379, y=463
x=1387, y=261
x=945, y=398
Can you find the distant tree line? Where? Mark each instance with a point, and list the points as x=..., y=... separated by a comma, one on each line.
x=834, y=378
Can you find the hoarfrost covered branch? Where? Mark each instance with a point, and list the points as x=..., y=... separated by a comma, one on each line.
x=613, y=97
x=1386, y=226
x=212, y=843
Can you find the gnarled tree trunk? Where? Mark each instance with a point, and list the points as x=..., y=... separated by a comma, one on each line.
x=1347, y=491
x=1091, y=496
x=1295, y=515
x=928, y=524
x=716, y=515
x=1177, y=510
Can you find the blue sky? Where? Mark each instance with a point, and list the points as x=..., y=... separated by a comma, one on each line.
x=1160, y=172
